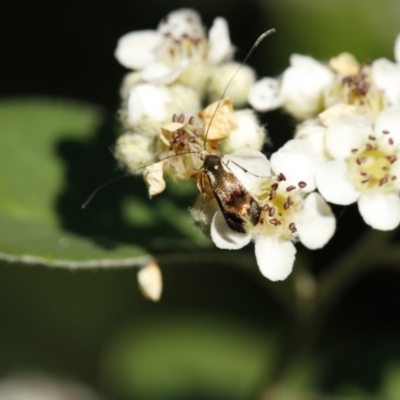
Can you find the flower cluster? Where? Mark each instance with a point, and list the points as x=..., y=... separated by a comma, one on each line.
x=178, y=70
x=345, y=148
x=347, y=142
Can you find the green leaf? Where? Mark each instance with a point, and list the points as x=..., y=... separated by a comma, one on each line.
x=186, y=356
x=35, y=224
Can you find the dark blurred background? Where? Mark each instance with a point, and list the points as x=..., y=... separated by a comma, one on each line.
x=215, y=333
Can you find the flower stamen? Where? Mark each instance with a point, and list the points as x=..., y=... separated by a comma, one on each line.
x=376, y=160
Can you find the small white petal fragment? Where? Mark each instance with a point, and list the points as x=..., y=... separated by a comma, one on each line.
x=333, y=184
x=224, y=237
x=153, y=176
x=275, y=258
x=264, y=95
x=381, y=210
x=316, y=224
x=137, y=49
x=346, y=133
x=150, y=281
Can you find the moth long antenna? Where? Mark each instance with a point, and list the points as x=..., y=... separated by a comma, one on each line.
x=95, y=191
x=127, y=175
x=256, y=43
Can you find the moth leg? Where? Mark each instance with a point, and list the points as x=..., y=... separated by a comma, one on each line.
x=203, y=191
x=246, y=171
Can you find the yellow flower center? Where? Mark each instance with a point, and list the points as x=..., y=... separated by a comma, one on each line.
x=370, y=167
x=279, y=204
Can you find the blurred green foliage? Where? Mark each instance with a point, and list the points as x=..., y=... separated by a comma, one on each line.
x=220, y=328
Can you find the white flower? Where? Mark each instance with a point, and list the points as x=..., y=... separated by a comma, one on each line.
x=364, y=166
x=167, y=54
x=314, y=145
x=354, y=87
x=149, y=106
x=299, y=90
x=287, y=214
x=386, y=75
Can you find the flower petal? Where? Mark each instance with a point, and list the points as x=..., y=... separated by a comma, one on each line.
x=298, y=162
x=181, y=23
x=264, y=95
x=389, y=121
x=334, y=186
x=381, y=210
x=150, y=281
x=249, y=166
x=335, y=111
x=219, y=41
x=224, y=237
x=386, y=76
x=345, y=64
x=161, y=73
x=275, y=258
x=203, y=212
x=137, y=49
x=345, y=133
x=316, y=223
x=154, y=178
x=148, y=101
x=313, y=133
